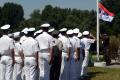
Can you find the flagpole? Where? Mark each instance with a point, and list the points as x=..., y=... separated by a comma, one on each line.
x=98, y=27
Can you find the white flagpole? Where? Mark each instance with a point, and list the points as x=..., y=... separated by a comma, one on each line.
x=98, y=25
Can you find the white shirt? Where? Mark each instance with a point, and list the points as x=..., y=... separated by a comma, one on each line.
x=30, y=47
x=6, y=44
x=74, y=44
x=23, y=38
x=77, y=41
x=65, y=41
x=86, y=42
x=18, y=48
x=45, y=41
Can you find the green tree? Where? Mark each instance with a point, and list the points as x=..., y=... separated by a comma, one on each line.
x=12, y=14
x=33, y=21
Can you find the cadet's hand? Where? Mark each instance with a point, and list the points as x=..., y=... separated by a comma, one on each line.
x=13, y=63
x=68, y=58
x=37, y=66
x=77, y=59
x=22, y=64
x=50, y=62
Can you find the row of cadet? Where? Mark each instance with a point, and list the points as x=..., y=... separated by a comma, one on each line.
x=46, y=54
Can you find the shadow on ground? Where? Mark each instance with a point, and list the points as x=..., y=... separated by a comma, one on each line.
x=93, y=74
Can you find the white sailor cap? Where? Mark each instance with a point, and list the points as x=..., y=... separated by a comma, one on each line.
x=60, y=35
x=69, y=32
x=76, y=30
x=85, y=33
x=31, y=29
x=37, y=32
x=25, y=30
x=10, y=34
x=16, y=34
x=7, y=26
x=63, y=29
x=45, y=25
x=79, y=34
x=51, y=30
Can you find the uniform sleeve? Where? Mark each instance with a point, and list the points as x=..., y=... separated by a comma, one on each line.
x=20, y=47
x=36, y=46
x=82, y=44
x=60, y=45
x=78, y=43
x=91, y=40
x=68, y=43
x=51, y=42
x=12, y=44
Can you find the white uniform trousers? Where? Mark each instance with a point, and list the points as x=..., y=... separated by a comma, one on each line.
x=17, y=72
x=85, y=63
x=23, y=73
x=65, y=68
x=30, y=68
x=44, y=66
x=6, y=68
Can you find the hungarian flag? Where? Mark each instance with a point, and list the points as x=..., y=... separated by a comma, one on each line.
x=104, y=14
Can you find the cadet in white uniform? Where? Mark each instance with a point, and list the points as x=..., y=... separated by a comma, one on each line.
x=74, y=56
x=30, y=50
x=65, y=64
x=45, y=55
x=7, y=55
x=81, y=55
x=78, y=65
x=19, y=58
x=23, y=36
x=86, y=42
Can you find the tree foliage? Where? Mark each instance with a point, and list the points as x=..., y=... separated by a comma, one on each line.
x=12, y=14
x=33, y=21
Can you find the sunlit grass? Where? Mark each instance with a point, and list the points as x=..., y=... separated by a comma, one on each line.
x=104, y=73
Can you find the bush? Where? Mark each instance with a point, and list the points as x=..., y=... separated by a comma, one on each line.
x=114, y=45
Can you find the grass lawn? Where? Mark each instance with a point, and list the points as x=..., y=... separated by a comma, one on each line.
x=104, y=73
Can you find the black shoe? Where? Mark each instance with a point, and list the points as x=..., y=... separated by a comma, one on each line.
x=82, y=78
x=108, y=64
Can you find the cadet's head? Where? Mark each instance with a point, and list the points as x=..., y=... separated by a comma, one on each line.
x=24, y=32
x=16, y=36
x=70, y=33
x=85, y=34
x=79, y=35
x=76, y=31
x=31, y=32
x=63, y=31
x=45, y=27
x=50, y=31
x=5, y=29
x=37, y=33
x=11, y=35
x=55, y=33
